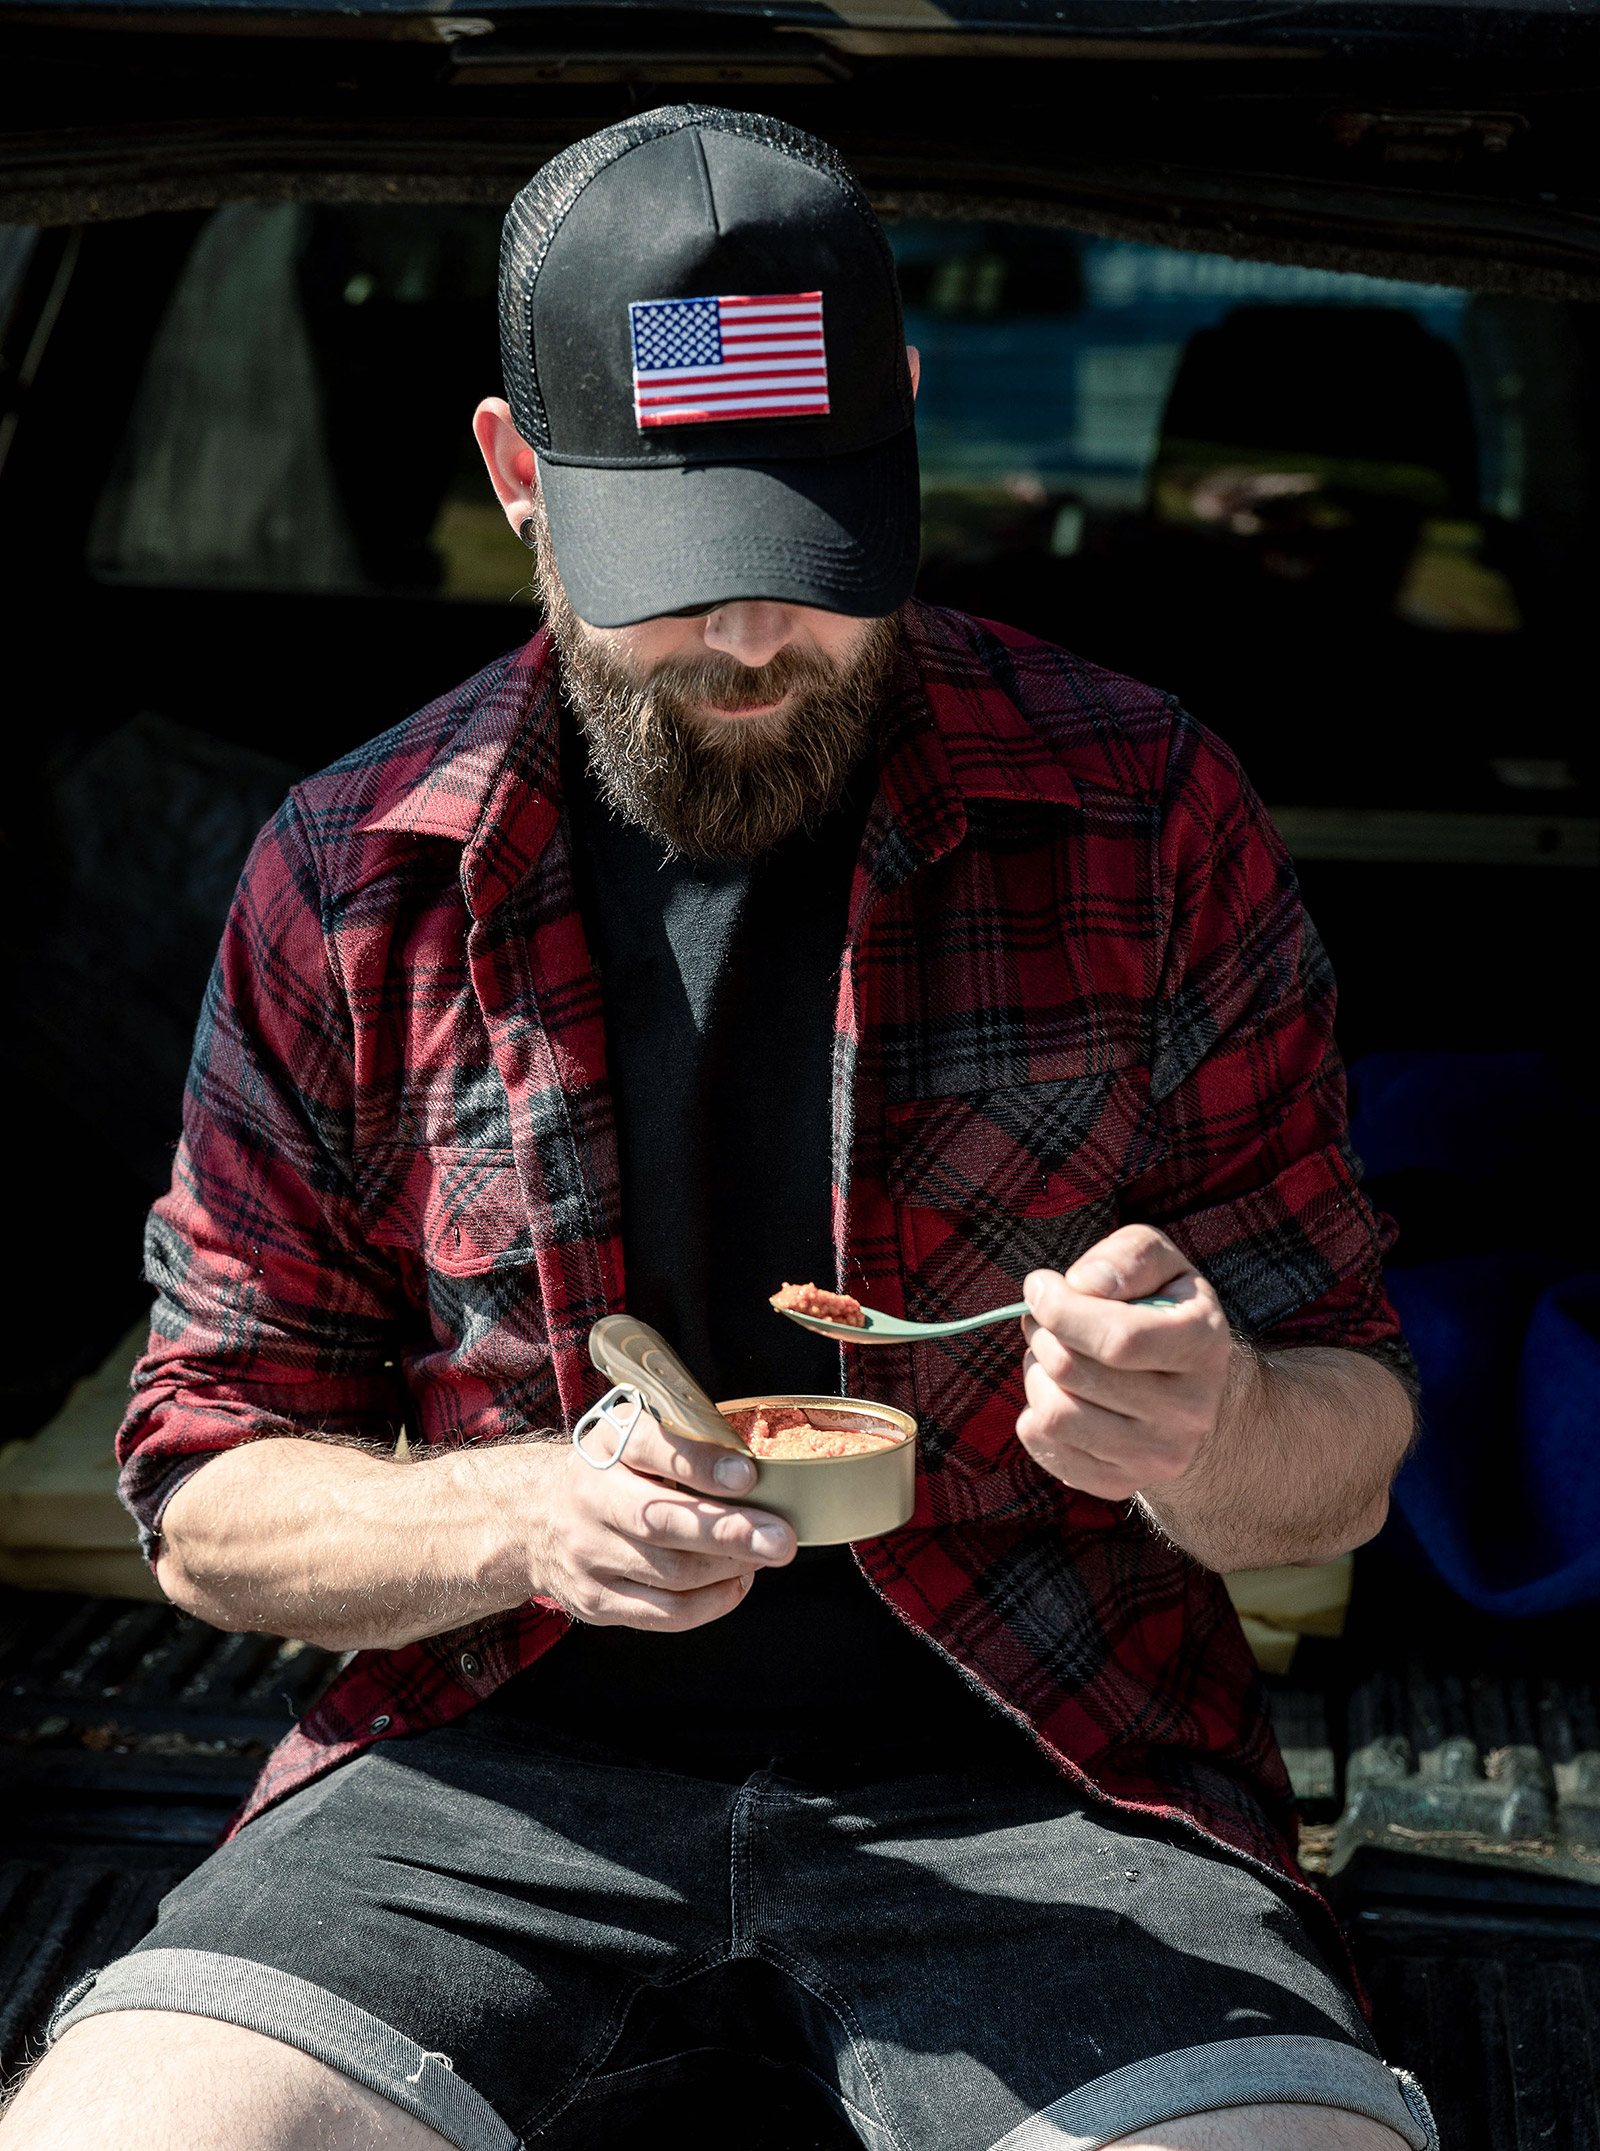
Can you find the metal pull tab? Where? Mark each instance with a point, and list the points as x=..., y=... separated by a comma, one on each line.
x=634, y=1354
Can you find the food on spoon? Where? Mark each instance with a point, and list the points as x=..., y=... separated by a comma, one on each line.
x=781, y=1430
x=826, y=1306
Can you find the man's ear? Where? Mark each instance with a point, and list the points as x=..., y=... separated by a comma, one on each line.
x=509, y=460
x=914, y=361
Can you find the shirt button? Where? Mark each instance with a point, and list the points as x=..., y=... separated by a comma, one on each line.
x=382, y=1722
x=471, y=1665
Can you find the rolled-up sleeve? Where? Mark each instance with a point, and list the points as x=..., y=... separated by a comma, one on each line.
x=1255, y=1180
x=272, y=1314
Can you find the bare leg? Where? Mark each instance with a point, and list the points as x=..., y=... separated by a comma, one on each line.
x=151, y=2080
x=1265, y=2128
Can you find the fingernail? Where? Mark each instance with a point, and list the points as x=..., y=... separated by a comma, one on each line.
x=769, y=1540
x=1095, y=1277
x=1031, y=1287
x=735, y=1473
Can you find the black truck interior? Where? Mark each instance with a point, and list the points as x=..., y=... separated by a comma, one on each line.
x=1265, y=367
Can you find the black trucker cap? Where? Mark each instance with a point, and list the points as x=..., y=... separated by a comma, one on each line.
x=702, y=340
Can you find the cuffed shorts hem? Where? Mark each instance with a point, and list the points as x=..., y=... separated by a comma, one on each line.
x=1277, y=2069
x=257, y=1997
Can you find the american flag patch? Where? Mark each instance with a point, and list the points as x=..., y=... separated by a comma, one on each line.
x=699, y=360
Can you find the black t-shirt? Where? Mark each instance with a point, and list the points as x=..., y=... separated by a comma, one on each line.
x=719, y=984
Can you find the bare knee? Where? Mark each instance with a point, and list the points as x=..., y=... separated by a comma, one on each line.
x=1265, y=2128
x=154, y=2080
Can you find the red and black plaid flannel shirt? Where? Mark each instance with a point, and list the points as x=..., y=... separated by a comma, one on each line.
x=1078, y=989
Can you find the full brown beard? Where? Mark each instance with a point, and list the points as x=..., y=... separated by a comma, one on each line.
x=716, y=789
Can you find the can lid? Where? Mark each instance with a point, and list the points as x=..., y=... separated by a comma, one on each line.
x=631, y=1351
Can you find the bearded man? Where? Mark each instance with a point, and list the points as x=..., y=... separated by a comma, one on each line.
x=751, y=923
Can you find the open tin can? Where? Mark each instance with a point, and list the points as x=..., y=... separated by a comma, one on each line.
x=827, y=1500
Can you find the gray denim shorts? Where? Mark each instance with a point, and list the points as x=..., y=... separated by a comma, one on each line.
x=519, y=1937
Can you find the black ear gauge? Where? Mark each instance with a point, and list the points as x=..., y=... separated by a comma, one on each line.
x=525, y=531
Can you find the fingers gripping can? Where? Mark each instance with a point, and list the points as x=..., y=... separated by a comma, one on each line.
x=826, y=1500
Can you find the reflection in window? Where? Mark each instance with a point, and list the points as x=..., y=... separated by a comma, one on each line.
x=1121, y=390
x=304, y=418
x=17, y=242
x=1327, y=426
x=224, y=475
x=21, y=344
x=1339, y=445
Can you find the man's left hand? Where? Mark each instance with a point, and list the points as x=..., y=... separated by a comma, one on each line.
x=1122, y=1398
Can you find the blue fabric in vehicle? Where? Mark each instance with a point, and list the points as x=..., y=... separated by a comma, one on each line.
x=1502, y=1496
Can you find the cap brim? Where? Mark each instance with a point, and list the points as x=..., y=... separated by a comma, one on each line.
x=838, y=532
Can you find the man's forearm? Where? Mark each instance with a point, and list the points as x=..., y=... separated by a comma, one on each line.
x=352, y=1551
x=1299, y=1465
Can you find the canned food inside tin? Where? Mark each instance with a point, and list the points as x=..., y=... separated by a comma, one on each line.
x=844, y=1469
x=795, y=1432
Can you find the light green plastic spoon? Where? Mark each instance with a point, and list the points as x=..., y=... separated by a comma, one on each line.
x=875, y=1328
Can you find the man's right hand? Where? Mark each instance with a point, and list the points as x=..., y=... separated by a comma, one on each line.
x=337, y=1546
x=646, y=1544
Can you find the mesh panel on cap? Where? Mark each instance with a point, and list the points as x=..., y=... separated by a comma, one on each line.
x=536, y=216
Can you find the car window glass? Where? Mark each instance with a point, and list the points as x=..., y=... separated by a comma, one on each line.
x=224, y=476
x=16, y=251
x=302, y=420
x=1074, y=384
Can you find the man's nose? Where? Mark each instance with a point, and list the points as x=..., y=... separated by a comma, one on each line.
x=750, y=629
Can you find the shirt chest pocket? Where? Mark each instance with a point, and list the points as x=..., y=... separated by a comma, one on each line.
x=988, y=1185
x=991, y=1184
x=461, y=1211
x=1025, y=1150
